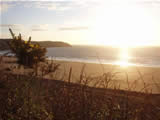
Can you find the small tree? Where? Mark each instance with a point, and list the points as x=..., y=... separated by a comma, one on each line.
x=27, y=53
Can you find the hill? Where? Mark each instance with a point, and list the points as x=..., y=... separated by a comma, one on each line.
x=4, y=44
x=52, y=44
x=47, y=44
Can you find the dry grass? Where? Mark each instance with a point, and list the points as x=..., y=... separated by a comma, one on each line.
x=32, y=97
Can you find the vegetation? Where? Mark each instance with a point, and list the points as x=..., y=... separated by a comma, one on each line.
x=47, y=44
x=27, y=53
x=32, y=97
x=4, y=44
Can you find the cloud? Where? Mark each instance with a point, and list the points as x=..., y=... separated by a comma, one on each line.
x=59, y=5
x=36, y=29
x=56, y=5
x=12, y=26
x=5, y=6
x=62, y=5
x=73, y=28
x=52, y=5
x=43, y=27
x=151, y=2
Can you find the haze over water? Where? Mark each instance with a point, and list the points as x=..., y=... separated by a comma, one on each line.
x=142, y=56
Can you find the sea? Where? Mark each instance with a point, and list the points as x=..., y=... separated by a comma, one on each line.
x=138, y=56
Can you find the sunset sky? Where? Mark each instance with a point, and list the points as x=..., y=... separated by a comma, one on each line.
x=91, y=22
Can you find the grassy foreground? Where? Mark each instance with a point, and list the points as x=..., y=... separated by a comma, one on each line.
x=32, y=97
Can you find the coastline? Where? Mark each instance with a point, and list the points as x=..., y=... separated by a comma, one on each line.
x=97, y=60
x=136, y=78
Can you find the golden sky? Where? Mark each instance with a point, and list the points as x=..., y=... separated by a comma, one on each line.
x=119, y=23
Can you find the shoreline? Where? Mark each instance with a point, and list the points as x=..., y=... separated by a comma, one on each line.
x=130, y=77
x=94, y=61
x=133, y=74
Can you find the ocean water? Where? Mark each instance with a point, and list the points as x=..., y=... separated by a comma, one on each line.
x=142, y=56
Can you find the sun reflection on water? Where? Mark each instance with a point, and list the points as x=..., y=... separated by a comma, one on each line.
x=124, y=58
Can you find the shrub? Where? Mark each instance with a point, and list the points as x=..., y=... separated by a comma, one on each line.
x=22, y=102
x=27, y=53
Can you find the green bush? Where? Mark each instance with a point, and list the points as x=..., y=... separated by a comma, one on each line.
x=27, y=53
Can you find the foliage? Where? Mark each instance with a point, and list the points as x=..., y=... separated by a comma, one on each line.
x=28, y=97
x=22, y=102
x=27, y=53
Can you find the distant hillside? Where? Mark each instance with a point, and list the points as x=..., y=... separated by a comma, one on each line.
x=47, y=44
x=4, y=44
x=52, y=44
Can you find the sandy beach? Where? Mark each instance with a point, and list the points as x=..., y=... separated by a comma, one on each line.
x=131, y=77
x=136, y=78
x=56, y=92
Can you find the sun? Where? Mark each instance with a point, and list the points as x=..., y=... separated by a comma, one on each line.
x=123, y=25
